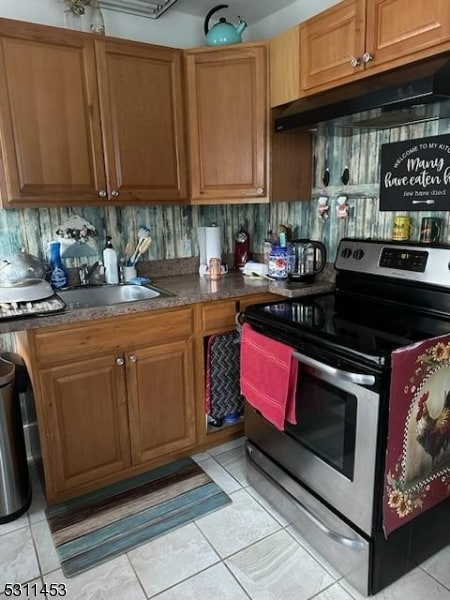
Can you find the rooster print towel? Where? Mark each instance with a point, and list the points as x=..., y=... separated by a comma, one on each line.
x=417, y=473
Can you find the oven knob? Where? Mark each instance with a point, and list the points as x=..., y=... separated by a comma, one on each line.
x=346, y=252
x=358, y=254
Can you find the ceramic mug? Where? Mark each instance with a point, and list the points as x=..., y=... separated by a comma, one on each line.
x=430, y=230
x=401, y=229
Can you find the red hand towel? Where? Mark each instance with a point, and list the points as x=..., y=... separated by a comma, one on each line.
x=268, y=377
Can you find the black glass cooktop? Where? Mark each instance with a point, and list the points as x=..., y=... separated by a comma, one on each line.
x=368, y=329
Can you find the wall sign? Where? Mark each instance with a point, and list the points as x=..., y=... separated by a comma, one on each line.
x=415, y=174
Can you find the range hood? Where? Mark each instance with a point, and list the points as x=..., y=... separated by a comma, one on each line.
x=414, y=94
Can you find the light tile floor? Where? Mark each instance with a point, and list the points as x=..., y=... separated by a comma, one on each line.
x=244, y=550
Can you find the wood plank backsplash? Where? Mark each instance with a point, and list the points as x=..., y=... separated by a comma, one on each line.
x=173, y=228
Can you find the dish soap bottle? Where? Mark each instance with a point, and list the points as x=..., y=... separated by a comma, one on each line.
x=110, y=262
x=59, y=277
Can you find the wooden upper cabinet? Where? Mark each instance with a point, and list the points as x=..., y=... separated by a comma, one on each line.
x=49, y=116
x=411, y=29
x=87, y=120
x=356, y=38
x=228, y=123
x=331, y=45
x=141, y=102
x=284, y=53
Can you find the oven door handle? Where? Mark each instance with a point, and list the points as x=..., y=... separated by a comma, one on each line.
x=359, y=378
x=334, y=535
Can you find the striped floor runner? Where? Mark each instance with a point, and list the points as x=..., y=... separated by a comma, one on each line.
x=96, y=527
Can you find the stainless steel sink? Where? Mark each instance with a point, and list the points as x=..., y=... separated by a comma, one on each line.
x=107, y=295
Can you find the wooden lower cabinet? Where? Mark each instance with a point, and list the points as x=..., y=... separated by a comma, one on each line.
x=160, y=389
x=87, y=422
x=108, y=414
x=119, y=396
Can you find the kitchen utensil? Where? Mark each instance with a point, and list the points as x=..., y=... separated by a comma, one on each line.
x=18, y=267
x=223, y=32
x=27, y=290
x=306, y=260
x=143, y=247
x=129, y=248
x=143, y=234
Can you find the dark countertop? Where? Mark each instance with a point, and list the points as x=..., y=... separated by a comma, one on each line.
x=187, y=289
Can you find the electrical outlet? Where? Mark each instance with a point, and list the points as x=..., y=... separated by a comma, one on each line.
x=187, y=247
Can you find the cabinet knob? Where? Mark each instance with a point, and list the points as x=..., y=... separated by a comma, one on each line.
x=367, y=57
x=355, y=62
x=102, y=193
x=114, y=193
x=120, y=361
x=260, y=191
x=133, y=358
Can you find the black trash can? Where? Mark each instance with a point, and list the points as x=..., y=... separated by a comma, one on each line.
x=15, y=487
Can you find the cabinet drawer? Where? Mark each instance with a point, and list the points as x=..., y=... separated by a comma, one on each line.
x=219, y=315
x=256, y=299
x=60, y=344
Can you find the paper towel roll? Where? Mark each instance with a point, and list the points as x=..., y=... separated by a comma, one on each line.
x=210, y=243
x=201, y=234
x=213, y=243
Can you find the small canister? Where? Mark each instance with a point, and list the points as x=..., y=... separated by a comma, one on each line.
x=214, y=268
x=279, y=261
x=430, y=230
x=401, y=228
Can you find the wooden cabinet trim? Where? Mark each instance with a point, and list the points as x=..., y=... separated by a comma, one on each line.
x=113, y=335
x=218, y=315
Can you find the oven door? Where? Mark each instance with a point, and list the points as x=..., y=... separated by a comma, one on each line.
x=333, y=447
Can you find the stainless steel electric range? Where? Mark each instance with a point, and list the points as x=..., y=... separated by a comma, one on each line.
x=326, y=474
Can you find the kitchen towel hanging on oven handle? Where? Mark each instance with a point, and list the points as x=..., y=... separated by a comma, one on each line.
x=268, y=376
x=417, y=471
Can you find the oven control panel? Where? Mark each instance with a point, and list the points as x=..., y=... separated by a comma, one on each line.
x=414, y=262
x=407, y=260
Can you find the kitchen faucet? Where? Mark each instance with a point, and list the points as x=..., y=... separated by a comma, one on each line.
x=86, y=273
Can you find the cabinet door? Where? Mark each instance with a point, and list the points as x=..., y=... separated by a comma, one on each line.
x=161, y=399
x=87, y=421
x=332, y=45
x=228, y=124
x=284, y=51
x=411, y=29
x=49, y=117
x=143, y=122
